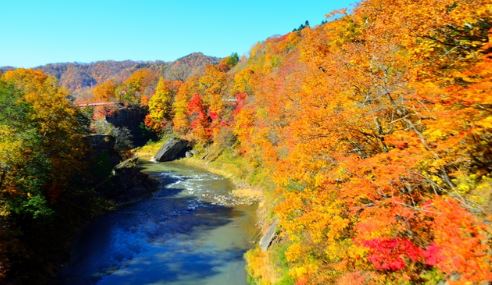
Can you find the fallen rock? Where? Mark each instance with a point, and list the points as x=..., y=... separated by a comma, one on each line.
x=172, y=150
x=267, y=239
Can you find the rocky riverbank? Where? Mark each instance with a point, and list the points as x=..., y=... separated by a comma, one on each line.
x=127, y=184
x=250, y=184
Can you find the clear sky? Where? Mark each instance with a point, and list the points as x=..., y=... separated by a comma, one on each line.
x=35, y=32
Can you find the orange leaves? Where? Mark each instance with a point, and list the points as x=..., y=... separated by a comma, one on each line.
x=362, y=121
x=359, y=143
x=180, y=105
x=141, y=79
x=461, y=240
x=28, y=79
x=138, y=84
x=105, y=91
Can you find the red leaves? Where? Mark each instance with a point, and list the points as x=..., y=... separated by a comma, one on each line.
x=432, y=255
x=195, y=106
x=213, y=115
x=203, y=120
x=240, y=102
x=392, y=254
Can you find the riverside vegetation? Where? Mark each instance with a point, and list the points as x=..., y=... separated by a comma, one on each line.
x=369, y=135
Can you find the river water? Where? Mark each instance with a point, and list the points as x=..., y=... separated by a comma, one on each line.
x=191, y=231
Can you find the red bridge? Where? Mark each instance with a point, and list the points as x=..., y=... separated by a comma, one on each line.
x=99, y=104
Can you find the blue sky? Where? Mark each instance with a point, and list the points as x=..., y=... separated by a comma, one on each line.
x=37, y=32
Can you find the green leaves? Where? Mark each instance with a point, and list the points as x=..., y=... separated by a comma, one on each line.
x=23, y=166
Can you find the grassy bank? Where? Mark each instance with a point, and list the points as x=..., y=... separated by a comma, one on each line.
x=249, y=180
x=148, y=151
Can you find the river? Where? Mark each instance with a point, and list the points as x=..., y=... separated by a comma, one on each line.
x=190, y=231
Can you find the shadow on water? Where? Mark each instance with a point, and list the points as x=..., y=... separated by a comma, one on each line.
x=171, y=238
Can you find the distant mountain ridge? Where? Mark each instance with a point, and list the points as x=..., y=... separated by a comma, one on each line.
x=78, y=77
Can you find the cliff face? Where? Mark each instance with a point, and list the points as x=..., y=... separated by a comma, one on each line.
x=116, y=180
x=132, y=118
x=127, y=183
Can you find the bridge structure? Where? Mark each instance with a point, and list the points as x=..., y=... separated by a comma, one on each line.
x=96, y=104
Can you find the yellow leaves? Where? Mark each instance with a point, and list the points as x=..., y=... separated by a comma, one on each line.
x=243, y=81
x=28, y=79
x=435, y=134
x=485, y=123
x=300, y=272
x=356, y=253
x=473, y=188
x=319, y=179
x=4, y=210
x=482, y=192
x=11, y=147
x=160, y=105
x=258, y=266
x=294, y=252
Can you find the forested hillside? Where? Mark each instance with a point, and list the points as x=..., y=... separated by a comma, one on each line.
x=375, y=130
x=78, y=78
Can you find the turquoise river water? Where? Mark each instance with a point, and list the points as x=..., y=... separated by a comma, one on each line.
x=190, y=231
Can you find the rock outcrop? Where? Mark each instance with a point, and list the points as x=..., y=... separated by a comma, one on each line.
x=102, y=156
x=127, y=183
x=267, y=239
x=172, y=150
x=131, y=118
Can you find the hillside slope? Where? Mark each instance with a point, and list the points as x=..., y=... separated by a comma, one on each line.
x=375, y=134
x=78, y=77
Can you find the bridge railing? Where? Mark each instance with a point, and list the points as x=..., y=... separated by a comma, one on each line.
x=95, y=104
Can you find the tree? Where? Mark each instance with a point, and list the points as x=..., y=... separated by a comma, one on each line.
x=212, y=86
x=228, y=62
x=180, y=105
x=160, y=106
x=138, y=84
x=199, y=120
x=24, y=169
x=57, y=121
x=104, y=91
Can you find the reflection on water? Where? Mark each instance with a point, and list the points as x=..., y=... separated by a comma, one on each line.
x=192, y=231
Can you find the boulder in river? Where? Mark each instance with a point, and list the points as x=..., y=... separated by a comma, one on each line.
x=172, y=150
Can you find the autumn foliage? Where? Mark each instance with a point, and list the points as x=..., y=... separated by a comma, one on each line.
x=375, y=128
